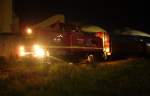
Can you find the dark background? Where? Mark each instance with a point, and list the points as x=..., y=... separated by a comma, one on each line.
x=110, y=14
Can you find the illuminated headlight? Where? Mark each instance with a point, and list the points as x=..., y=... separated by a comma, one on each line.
x=22, y=51
x=148, y=44
x=38, y=51
x=106, y=49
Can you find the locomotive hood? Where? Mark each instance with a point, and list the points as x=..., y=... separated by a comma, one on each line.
x=93, y=28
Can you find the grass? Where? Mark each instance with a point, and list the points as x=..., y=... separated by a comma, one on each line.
x=122, y=78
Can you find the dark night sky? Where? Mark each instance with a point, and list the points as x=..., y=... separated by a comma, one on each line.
x=110, y=14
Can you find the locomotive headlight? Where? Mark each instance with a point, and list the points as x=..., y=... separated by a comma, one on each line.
x=148, y=44
x=38, y=51
x=22, y=51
